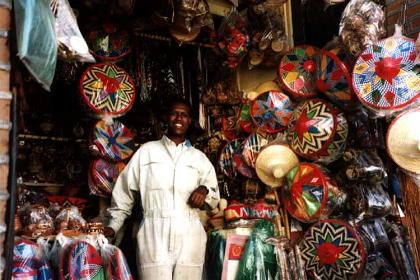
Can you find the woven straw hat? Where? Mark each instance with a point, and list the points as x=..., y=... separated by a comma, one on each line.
x=403, y=141
x=267, y=86
x=273, y=163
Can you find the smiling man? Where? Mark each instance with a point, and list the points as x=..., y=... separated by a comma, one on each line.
x=174, y=180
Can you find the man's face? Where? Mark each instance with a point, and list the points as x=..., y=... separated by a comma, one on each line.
x=179, y=119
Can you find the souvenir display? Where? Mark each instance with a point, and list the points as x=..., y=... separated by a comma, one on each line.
x=317, y=131
x=240, y=164
x=114, y=141
x=297, y=71
x=226, y=158
x=107, y=90
x=252, y=146
x=233, y=39
x=29, y=262
x=403, y=141
x=103, y=175
x=333, y=78
x=310, y=193
x=368, y=201
x=271, y=111
x=81, y=261
x=384, y=78
x=273, y=163
x=332, y=249
x=364, y=166
x=362, y=24
x=109, y=42
x=245, y=120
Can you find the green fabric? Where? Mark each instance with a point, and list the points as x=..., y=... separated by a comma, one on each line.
x=216, y=246
x=258, y=261
x=36, y=41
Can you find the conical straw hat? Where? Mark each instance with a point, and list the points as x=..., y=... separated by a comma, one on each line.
x=273, y=163
x=403, y=141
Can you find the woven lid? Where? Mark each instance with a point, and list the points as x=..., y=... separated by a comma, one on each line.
x=271, y=111
x=103, y=176
x=297, y=71
x=403, y=141
x=317, y=132
x=107, y=90
x=114, y=140
x=273, y=163
x=267, y=86
x=384, y=77
x=332, y=249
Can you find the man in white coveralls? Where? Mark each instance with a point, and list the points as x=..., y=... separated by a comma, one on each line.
x=174, y=179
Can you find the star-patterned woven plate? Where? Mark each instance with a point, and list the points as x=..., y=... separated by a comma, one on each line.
x=383, y=76
x=333, y=250
x=107, y=90
x=226, y=158
x=317, y=131
x=253, y=145
x=271, y=111
x=297, y=71
x=114, y=141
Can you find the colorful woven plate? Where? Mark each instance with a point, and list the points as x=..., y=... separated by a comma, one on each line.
x=383, y=77
x=297, y=71
x=332, y=249
x=333, y=78
x=240, y=164
x=109, y=42
x=107, y=89
x=114, y=141
x=309, y=194
x=103, y=176
x=316, y=132
x=245, y=119
x=252, y=146
x=271, y=111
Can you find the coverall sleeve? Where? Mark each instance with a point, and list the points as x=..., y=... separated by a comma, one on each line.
x=208, y=179
x=123, y=193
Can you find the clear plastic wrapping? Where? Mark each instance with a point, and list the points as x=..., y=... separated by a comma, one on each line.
x=362, y=24
x=36, y=221
x=71, y=44
x=70, y=220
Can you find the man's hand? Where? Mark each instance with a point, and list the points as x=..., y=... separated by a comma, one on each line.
x=198, y=197
x=109, y=232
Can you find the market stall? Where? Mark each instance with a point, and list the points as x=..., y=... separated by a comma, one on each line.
x=314, y=139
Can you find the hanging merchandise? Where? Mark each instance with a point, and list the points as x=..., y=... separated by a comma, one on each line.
x=240, y=164
x=253, y=144
x=297, y=71
x=310, y=193
x=333, y=77
x=182, y=30
x=71, y=44
x=384, y=76
x=364, y=166
x=332, y=249
x=113, y=140
x=233, y=39
x=29, y=261
x=113, y=261
x=258, y=260
x=245, y=120
x=36, y=221
x=271, y=111
x=317, y=131
x=109, y=41
x=36, y=39
x=273, y=163
x=70, y=221
x=403, y=141
x=107, y=90
x=362, y=24
x=102, y=176
x=368, y=201
x=226, y=160
x=81, y=260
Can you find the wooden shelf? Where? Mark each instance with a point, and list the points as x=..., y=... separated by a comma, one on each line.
x=39, y=184
x=52, y=138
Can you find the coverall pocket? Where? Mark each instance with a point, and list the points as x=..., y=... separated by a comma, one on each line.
x=194, y=245
x=153, y=242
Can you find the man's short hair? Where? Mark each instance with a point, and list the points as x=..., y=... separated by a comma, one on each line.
x=179, y=100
